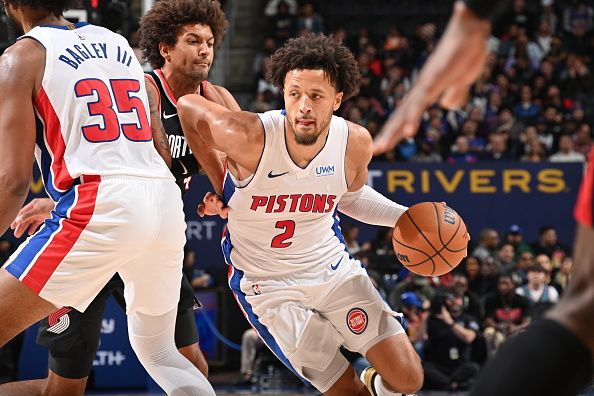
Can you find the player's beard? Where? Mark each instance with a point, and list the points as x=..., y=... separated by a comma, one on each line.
x=309, y=140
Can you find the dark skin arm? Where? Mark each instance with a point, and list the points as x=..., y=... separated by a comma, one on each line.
x=159, y=135
x=21, y=72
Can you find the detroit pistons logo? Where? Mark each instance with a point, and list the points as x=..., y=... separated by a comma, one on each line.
x=357, y=320
x=59, y=321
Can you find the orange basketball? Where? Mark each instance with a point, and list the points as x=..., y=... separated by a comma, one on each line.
x=430, y=239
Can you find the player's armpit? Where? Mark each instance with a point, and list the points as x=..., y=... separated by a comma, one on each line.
x=158, y=131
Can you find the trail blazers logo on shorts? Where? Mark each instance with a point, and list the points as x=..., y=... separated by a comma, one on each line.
x=59, y=321
x=357, y=320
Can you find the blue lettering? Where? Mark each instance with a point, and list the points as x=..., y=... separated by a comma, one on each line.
x=68, y=61
x=80, y=51
x=88, y=51
x=104, y=49
x=96, y=50
x=75, y=56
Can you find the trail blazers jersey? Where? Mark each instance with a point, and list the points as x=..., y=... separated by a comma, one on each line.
x=284, y=219
x=177, y=141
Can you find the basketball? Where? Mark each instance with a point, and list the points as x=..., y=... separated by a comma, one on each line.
x=430, y=239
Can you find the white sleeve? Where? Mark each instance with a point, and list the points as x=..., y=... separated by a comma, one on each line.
x=371, y=207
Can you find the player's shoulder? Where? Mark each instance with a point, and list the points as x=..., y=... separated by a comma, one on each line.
x=360, y=139
x=21, y=60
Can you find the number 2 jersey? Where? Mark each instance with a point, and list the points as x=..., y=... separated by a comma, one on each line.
x=92, y=109
x=284, y=219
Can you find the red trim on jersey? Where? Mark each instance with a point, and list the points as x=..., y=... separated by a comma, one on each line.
x=63, y=241
x=583, y=207
x=53, y=134
x=152, y=81
x=168, y=90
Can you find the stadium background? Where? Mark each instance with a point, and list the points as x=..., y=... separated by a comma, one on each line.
x=513, y=156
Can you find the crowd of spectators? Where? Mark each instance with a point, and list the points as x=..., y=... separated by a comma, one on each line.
x=533, y=102
x=459, y=320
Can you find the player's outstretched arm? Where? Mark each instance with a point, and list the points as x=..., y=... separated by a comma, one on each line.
x=21, y=71
x=456, y=63
x=361, y=202
x=158, y=131
x=240, y=135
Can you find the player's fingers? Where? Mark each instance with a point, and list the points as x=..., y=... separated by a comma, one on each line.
x=455, y=97
x=224, y=212
x=201, y=209
x=33, y=228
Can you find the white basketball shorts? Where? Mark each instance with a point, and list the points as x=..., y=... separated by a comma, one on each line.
x=130, y=225
x=305, y=317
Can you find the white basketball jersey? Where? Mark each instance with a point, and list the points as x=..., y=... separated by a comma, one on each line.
x=92, y=109
x=284, y=220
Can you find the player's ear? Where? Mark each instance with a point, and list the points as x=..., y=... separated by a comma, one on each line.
x=164, y=50
x=337, y=100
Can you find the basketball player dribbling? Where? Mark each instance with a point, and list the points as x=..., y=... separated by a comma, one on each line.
x=72, y=348
x=553, y=356
x=78, y=102
x=289, y=172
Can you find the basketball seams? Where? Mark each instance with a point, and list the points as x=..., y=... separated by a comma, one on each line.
x=420, y=251
x=420, y=231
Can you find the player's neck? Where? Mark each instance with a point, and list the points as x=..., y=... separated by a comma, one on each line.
x=37, y=18
x=302, y=154
x=179, y=84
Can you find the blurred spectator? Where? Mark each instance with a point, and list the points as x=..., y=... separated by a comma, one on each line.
x=197, y=277
x=526, y=111
x=427, y=152
x=411, y=307
x=472, y=269
x=537, y=290
x=471, y=303
x=487, y=280
x=418, y=284
x=461, y=152
x=351, y=237
x=505, y=257
x=583, y=139
x=488, y=243
x=548, y=243
x=272, y=7
x=450, y=332
x=506, y=313
x=563, y=276
x=566, y=152
x=497, y=148
x=250, y=343
x=309, y=21
x=283, y=24
x=520, y=274
x=515, y=237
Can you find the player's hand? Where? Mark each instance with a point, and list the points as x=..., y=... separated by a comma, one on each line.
x=445, y=316
x=31, y=216
x=213, y=205
x=456, y=63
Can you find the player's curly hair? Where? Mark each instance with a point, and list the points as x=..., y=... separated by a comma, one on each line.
x=316, y=52
x=56, y=7
x=162, y=24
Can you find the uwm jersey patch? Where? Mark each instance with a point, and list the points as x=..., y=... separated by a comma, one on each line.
x=284, y=219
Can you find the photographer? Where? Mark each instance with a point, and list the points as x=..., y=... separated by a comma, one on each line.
x=450, y=332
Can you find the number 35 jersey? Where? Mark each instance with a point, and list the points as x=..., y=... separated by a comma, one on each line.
x=284, y=219
x=92, y=109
